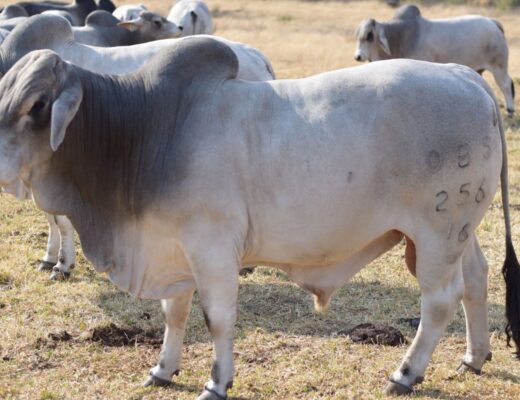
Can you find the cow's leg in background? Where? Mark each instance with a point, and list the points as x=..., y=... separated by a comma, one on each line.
x=475, y=272
x=506, y=85
x=53, y=245
x=67, y=253
x=176, y=311
x=439, y=273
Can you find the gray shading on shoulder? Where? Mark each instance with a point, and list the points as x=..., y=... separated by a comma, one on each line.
x=403, y=31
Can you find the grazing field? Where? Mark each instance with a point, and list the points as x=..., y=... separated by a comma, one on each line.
x=83, y=339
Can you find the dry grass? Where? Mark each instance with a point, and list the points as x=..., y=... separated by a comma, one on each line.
x=283, y=350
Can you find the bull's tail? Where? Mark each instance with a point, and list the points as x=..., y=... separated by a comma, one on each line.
x=499, y=25
x=270, y=69
x=511, y=267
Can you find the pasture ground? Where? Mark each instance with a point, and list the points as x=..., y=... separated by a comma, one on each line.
x=283, y=349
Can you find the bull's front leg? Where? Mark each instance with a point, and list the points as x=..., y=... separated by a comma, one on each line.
x=219, y=303
x=217, y=284
x=176, y=311
x=67, y=252
x=53, y=245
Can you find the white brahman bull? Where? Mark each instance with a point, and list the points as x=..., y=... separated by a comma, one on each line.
x=172, y=190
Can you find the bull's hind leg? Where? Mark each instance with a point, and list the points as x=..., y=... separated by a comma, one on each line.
x=475, y=272
x=176, y=311
x=439, y=273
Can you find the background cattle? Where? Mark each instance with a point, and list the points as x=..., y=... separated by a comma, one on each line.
x=192, y=16
x=106, y=5
x=79, y=9
x=51, y=32
x=152, y=26
x=101, y=29
x=13, y=11
x=59, y=13
x=128, y=12
x=475, y=41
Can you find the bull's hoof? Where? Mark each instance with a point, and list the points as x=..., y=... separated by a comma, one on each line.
x=465, y=367
x=46, y=266
x=397, y=389
x=59, y=275
x=153, y=380
x=209, y=394
x=510, y=113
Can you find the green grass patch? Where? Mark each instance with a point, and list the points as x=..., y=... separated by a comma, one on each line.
x=285, y=18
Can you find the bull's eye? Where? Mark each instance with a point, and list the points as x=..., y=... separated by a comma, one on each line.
x=37, y=107
x=370, y=37
x=157, y=23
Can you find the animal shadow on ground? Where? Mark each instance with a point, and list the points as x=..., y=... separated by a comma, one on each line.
x=439, y=394
x=284, y=308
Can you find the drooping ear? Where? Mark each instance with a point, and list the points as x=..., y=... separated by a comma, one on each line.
x=381, y=39
x=132, y=25
x=63, y=111
x=194, y=17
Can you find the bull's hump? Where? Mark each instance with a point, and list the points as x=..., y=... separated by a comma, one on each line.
x=201, y=58
x=101, y=18
x=407, y=12
x=39, y=32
